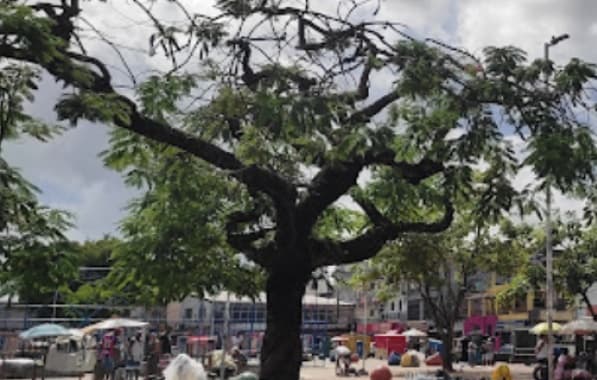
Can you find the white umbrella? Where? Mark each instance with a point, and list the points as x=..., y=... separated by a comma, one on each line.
x=582, y=326
x=414, y=333
x=342, y=350
x=113, y=323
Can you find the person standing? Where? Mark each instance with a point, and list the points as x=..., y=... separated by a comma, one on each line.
x=488, y=352
x=472, y=352
x=153, y=350
x=136, y=353
x=108, y=351
x=165, y=345
x=541, y=350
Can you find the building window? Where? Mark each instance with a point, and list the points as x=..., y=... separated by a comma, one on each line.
x=188, y=313
x=539, y=300
x=400, y=305
x=490, y=306
x=520, y=304
x=392, y=306
x=242, y=312
x=427, y=314
x=201, y=313
x=414, y=310
x=259, y=313
x=371, y=312
x=218, y=311
x=476, y=307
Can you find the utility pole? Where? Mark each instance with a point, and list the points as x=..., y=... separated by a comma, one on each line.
x=365, y=323
x=549, y=288
x=363, y=371
x=54, y=305
x=225, y=336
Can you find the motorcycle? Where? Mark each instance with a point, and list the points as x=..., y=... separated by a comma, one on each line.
x=540, y=372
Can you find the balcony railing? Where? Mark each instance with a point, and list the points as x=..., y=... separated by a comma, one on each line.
x=394, y=315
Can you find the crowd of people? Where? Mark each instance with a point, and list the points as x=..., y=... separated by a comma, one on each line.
x=116, y=351
x=481, y=351
x=566, y=366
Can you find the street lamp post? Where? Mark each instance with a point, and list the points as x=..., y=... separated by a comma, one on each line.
x=365, y=322
x=548, y=238
x=225, y=335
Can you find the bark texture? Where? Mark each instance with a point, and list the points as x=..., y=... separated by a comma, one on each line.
x=281, y=352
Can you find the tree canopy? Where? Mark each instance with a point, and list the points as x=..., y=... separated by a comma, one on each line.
x=575, y=264
x=444, y=268
x=33, y=259
x=273, y=110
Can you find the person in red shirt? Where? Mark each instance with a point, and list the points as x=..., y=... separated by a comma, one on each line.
x=107, y=352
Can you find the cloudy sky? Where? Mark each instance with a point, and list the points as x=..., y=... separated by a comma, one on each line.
x=72, y=176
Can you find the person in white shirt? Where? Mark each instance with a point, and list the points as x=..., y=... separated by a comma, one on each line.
x=136, y=353
x=541, y=349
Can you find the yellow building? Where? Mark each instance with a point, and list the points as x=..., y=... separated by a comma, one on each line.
x=530, y=307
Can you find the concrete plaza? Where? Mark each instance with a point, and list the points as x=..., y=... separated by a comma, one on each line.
x=318, y=370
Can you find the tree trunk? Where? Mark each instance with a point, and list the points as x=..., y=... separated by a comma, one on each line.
x=447, y=339
x=587, y=301
x=281, y=352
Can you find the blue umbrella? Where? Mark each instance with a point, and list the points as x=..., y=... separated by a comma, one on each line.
x=45, y=330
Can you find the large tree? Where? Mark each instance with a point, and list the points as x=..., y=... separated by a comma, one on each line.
x=282, y=109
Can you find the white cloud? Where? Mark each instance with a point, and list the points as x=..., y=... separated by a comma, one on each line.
x=529, y=24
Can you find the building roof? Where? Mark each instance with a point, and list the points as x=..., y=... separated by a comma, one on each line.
x=308, y=299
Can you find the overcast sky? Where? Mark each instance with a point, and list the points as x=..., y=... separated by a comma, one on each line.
x=72, y=176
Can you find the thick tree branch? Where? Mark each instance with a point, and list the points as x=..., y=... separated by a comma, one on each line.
x=589, y=305
x=368, y=244
x=414, y=173
x=65, y=66
x=364, y=115
x=252, y=78
x=242, y=238
x=333, y=181
x=328, y=185
x=267, y=182
x=374, y=215
x=243, y=242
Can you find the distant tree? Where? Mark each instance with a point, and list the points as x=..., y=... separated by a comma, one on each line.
x=282, y=118
x=97, y=253
x=441, y=268
x=575, y=265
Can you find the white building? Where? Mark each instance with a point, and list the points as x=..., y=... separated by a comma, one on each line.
x=206, y=316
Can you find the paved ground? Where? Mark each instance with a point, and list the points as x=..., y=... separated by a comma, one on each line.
x=318, y=370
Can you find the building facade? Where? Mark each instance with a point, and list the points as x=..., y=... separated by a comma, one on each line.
x=323, y=317
x=485, y=315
